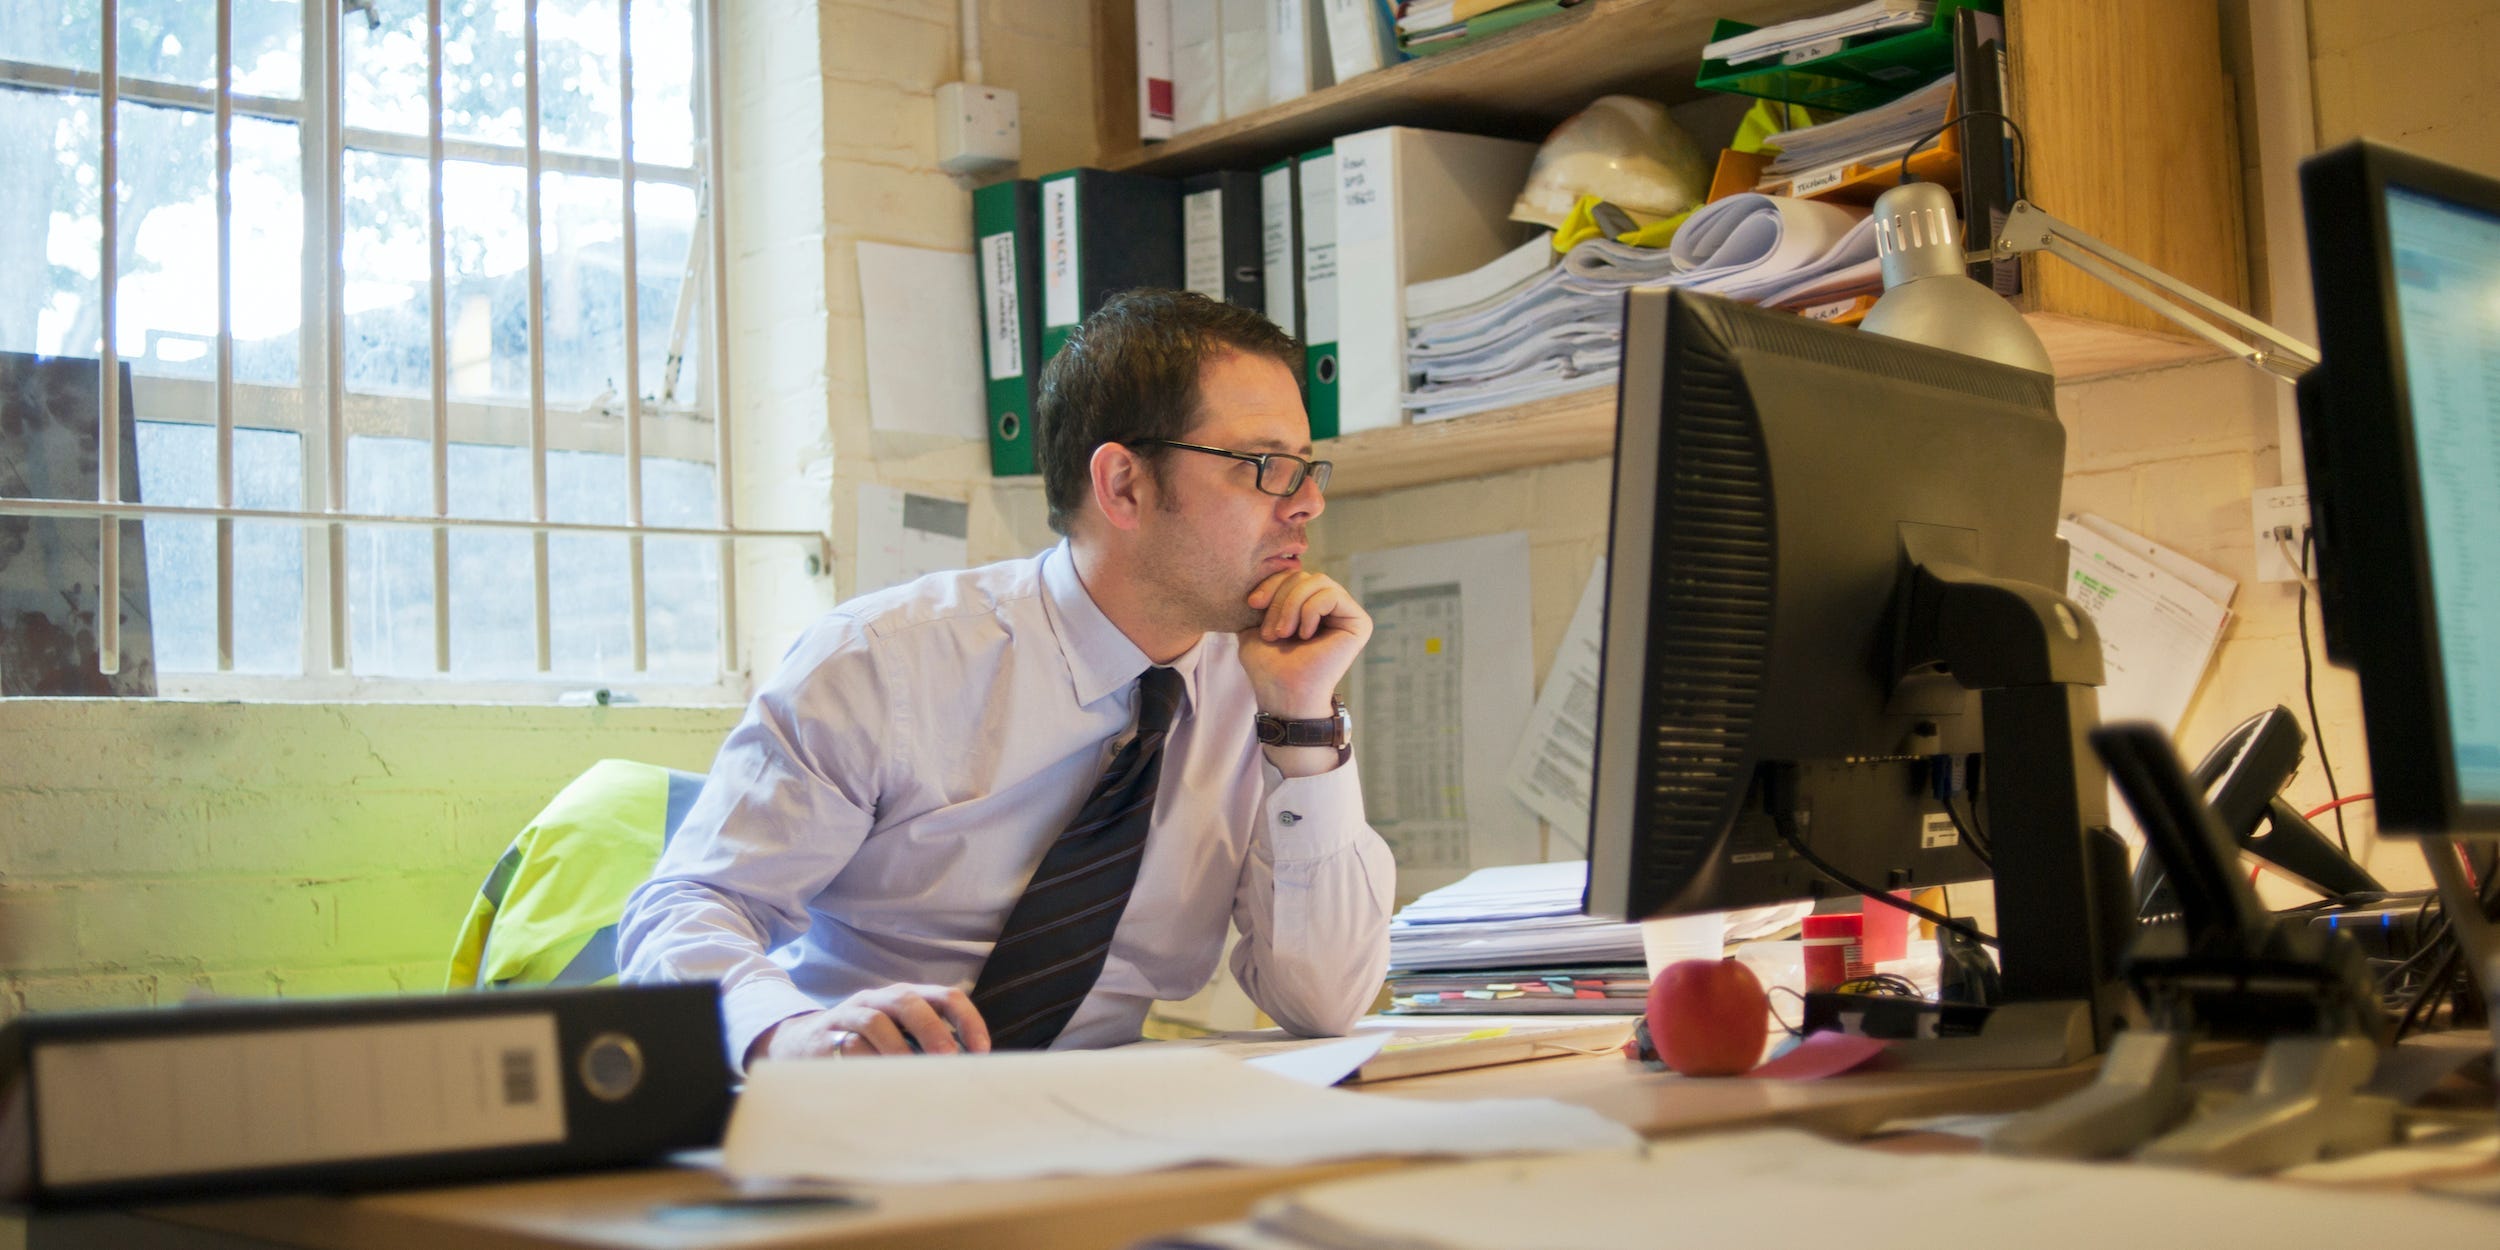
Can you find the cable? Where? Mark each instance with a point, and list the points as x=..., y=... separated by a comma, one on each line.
x=1970, y=834
x=2022, y=147
x=2309, y=691
x=1787, y=826
x=2323, y=808
x=1793, y=1030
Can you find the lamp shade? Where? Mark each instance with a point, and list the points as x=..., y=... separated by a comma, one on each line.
x=1929, y=296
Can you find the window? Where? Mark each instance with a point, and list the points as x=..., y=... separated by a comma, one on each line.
x=400, y=260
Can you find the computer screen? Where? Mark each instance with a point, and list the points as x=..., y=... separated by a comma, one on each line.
x=2402, y=424
x=1831, y=555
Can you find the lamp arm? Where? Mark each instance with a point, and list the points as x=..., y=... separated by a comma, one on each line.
x=2027, y=229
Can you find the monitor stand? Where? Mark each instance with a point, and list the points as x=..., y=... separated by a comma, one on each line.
x=2064, y=907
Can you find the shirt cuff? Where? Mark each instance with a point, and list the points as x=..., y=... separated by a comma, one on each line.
x=1313, y=817
x=755, y=1005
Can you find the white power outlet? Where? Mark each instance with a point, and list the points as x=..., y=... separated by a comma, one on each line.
x=978, y=131
x=2280, y=520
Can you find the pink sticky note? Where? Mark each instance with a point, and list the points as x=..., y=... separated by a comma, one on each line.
x=1821, y=1055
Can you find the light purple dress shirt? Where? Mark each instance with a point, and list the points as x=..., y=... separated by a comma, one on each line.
x=877, y=813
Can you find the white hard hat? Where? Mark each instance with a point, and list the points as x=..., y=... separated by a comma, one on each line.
x=1622, y=149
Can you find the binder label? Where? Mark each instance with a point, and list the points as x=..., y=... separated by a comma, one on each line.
x=1059, y=244
x=1202, y=243
x=213, y=1102
x=1363, y=210
x=1001, y=312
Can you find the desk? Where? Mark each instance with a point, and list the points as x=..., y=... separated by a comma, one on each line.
x=613, y=1209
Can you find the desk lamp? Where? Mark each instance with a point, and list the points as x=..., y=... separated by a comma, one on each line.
x=1929, y=296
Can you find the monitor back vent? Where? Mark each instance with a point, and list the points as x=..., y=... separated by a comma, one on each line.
x=1710, y=614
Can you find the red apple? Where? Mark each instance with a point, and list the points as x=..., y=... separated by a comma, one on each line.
x=1709, y=1017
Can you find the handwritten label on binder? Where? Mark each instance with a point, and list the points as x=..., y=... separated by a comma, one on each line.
x=1059, y=244
x=1001, y=312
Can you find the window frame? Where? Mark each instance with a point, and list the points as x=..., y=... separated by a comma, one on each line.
x=323, y=412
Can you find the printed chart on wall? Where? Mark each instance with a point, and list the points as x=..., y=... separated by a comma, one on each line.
x=1439, y=697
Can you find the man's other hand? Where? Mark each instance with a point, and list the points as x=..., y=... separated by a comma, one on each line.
x=888, y=1020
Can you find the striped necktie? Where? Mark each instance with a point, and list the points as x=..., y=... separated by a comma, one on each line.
x=1053, y=946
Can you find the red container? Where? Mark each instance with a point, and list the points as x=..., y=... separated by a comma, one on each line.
x=1835, y=950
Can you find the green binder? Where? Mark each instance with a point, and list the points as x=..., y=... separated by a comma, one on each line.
x=1007, y=238
x=1317, y=173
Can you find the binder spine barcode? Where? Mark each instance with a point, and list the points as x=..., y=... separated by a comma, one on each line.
x=520, y=1077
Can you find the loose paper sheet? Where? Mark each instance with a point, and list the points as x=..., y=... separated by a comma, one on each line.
x=1008, y=1116
x=1440, y=694
x=923, y=320
x=2158, y=629
x=903, y=535
x=1774, y=1186
x=1556, y=763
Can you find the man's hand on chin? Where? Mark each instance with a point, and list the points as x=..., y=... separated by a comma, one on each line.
x=1308, y=634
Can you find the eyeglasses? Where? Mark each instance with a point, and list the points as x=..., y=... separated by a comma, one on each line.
x=1280, y=475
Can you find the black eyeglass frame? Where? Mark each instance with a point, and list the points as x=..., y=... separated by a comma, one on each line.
x=1303, y=468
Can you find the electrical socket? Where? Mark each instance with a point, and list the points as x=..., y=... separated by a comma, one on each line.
x=2279, y=518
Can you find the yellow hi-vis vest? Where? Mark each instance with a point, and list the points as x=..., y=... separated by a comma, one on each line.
x=547, y=913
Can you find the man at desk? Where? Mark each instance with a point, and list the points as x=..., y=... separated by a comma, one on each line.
x=1012, y=806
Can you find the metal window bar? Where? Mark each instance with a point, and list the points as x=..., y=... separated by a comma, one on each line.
x=225, y=333
x=108, y=353
x=438, y=289
x=321, y=116
x=333, y=199
x=534, y=209
x=716, y=361
x=638, y=628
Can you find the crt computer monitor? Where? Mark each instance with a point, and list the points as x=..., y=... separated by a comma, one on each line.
x=2401, y=430
x=1770, y=655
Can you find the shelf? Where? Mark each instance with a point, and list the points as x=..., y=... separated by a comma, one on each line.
x=1516, y=85
x=1581, y=426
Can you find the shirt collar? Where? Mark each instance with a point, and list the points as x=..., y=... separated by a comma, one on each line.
x=1101, y=660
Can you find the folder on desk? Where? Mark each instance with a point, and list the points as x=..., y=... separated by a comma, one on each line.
x=1412, y=205
x=1103, y=233
x=1007, y=235
x=1315, y=192
x=1220, y=241
x=352, y=1093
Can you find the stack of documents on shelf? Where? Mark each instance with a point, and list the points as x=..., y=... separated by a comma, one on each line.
x=1877, y=134
x=1512, y=332
x=1429, y=26
x=1810, y=37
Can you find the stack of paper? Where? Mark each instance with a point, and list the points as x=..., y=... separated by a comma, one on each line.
x=1594, y=989
x=1877, y=134
x=1512, y=332
x=1817, y=36
x=1511, y=917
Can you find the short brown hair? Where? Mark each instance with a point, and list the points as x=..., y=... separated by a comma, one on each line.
x=1129, y=374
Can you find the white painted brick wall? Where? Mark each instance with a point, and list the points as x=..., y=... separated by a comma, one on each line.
x=151, y=849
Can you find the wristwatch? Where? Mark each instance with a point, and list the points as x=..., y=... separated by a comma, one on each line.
x=1333, y=730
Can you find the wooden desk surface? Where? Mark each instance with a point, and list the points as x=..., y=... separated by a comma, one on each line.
x=617, y=1209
